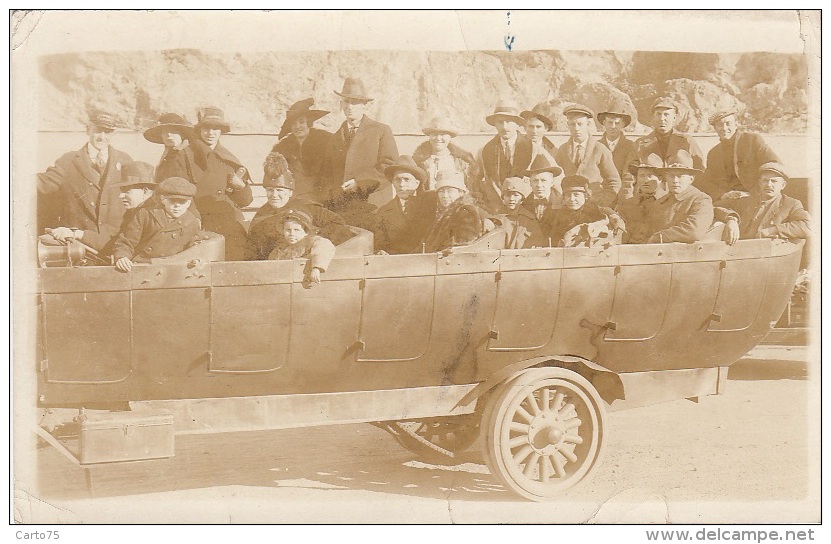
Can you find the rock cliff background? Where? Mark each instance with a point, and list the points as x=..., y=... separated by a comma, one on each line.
x=411, y=87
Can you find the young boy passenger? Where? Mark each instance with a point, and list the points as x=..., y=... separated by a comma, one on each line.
x=302, y=242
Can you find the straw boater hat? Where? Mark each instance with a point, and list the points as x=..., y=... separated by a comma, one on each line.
x=168, y=122
x=177, y=187
x=276, y=172
x=103, y=120
x=617, y=108
x=721, y=114
x=579, y=110
x=451, y=179
x=353, y=88
x=301, y=108
x=652, y=161
x=137, y=174
x=405, y=163
x=541, y=111
x=775, y=167
x=575, y=183
x=516, y=185
x=440, y=125
x=682, y=161
x=213, y=117
x=542, y=164
x=504, y=111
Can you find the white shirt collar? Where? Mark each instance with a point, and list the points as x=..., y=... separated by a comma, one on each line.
x=93, y=152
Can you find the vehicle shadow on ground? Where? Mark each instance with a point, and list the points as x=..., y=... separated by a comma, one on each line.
x=750, y=369
x=326, y=458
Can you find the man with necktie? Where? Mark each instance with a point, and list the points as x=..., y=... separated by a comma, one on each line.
x=664, y=141
x=546, y=193
x=537, y=123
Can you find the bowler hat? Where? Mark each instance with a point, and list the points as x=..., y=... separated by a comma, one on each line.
x=168, y=122
x=682, y=161
x=103, y=120
x=651, y=161
x=300, y=217
x=136, y=174
x=353, y=88
x=578, y=109
x=405, y=163
x=177, y=187
x=276, y=172
x=617, y=108
x=775, y=167
x=301, y=108
x=440, y=125
x=517, y=185
x=542, y=164
x=721, y=114
x=541, y=111
x=575, y=183
x=451, y=179
x=664, y=103
x=213, y=117
x=504, y=111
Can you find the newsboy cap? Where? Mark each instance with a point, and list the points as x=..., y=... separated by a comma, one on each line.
x=575, y=183
x=300, y=217
x=177, y=187
x=137, y=174
x=578, y=110
x=103, y=120
x=721, y=114
x=664, y=103
x=168, y=122
x=775, y=167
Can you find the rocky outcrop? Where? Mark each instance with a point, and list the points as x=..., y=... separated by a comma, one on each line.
x=411, y=87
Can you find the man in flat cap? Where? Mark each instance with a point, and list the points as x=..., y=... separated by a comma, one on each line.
x=733, y=163
x=358, y=153
x=507, y=154
x=224, y=186
x=439, y=154
x=613, y=120
x=265, y=233
x=583, y=156
x=402, y=223
x=304, y=147
x=175, y=133
x=664, y=141
x=80, y=191
x=537, y=123
x=683, y=214
x=766, y=213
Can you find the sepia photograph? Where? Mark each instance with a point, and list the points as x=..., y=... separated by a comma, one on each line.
x=416, y=267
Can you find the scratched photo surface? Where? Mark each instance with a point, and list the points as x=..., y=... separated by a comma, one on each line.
x=416, y=267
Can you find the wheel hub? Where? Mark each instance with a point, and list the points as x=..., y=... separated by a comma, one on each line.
x=546, y=432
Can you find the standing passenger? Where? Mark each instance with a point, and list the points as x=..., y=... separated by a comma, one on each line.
x=439, y=155
x=304, y=147
x=177, y=158
x=537, y=123
x=614, y=120
x=664, y=141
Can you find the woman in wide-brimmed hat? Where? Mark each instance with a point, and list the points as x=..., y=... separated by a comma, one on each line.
x=304, y=146
x=440, y=154
x=177, y=159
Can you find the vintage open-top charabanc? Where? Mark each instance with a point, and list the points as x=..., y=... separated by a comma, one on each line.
x=526, y=349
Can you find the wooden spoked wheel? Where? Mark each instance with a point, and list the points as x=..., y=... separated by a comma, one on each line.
x=544, y=431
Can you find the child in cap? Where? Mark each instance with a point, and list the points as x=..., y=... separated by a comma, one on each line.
x=304, y=243
x=578, y=212
x=522, y=230
x=161, y=230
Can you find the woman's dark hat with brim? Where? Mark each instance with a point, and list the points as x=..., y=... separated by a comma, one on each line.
x=541, y=111
x=353, y=89
x=405, y=163
x=137, y=174
x=301, y=108
x=213, y=117
x=168, y=122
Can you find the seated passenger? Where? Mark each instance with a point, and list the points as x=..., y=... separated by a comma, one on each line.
x=768, y=213
x=401, y=224
x=460, y=221
x=636, y=210
x=685, y=213
x=577, y=212
x=264, y=234
x=160, y=230
x=522, y=230
x=440, y=154
x=302, y=242
x=546, y=193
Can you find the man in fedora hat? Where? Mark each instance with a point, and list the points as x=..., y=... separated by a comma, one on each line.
x=80, y=191
x=582, y=155
x=358, y=153
x=637, y=209
x=402, y=223
x=507, y=154
x=546, y=193
x=224, y=186
x=459, y=219
x=766, y=213
x=684, y=213
x=177, y=160
x=613, y=121
x=733, y=163
x=440, y=154
x=304, y=147
x=537, y=123
x=264, y=233
x=664, y=141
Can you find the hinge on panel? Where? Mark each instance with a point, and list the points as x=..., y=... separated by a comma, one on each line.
x=497, y=276
x=617, y=270
x=722, y=265
x=715, y=317
x=208, y=292
x=362, y=284
x=44, y=364
x=610, y=325
x=493, y=335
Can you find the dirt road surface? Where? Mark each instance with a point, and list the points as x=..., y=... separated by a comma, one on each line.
x=748, y=456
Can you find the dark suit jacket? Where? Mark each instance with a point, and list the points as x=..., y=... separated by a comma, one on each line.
x=784, y=217
x=597, y=165
x=681, y=218
x=179, y=162
x=646, y=145
x=397, y=232
x=306, y=161
x=522, y=230
x=151, y=234
x=565, y=219
x=372, y=149
x=88, y=200
x=624, y=148
x=491, y=170
x=749, y=152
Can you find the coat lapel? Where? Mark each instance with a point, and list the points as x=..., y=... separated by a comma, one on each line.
x=112, y=172
x=84, y=165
